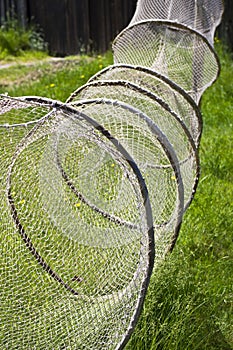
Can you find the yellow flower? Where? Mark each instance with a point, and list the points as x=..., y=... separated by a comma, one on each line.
x=173, y=177
x=100, y=66
x=77, y=205
x=82, y=76
x=22, y=201
x=52, y=85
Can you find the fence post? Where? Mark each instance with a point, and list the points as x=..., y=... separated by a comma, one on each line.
x=22, y=12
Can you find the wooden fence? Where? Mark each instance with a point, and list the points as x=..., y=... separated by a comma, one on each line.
x=74, y=26
x=225, y=30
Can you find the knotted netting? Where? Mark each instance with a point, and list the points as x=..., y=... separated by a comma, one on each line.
x=201, y=15
x=77, y=231
x=93, y=190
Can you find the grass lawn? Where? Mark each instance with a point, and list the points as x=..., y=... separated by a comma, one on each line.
x=190, y=300
x=54, y=78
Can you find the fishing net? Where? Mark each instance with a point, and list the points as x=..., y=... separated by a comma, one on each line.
x=172, y=49
x=174, y=38
x=201, y=15
x=156, y=84
x=66, y=267
x=93, y=190
x=158, y=114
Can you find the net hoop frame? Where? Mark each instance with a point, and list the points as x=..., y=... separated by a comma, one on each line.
x=162, y=104
x=39, y=101
x=167, y=148
x=164, y=79
x=143, y=91
x=56, y=106
x=161, y=137
x=177, y=26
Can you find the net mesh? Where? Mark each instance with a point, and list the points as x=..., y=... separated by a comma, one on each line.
x=172, y=49
x=203, y=16
x=93, y=190
x=159, y=114
x=66, y=267
x=165, y=90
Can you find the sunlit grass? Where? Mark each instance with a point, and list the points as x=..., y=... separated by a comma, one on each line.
x=55, y=79
x=190, y=299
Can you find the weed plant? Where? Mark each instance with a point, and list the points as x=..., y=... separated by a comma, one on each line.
x=16, y=40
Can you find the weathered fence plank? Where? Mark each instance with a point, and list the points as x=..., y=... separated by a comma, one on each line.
x=7, y=8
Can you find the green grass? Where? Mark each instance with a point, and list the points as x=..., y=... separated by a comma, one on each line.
x=56, y=79
x=189, y=302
